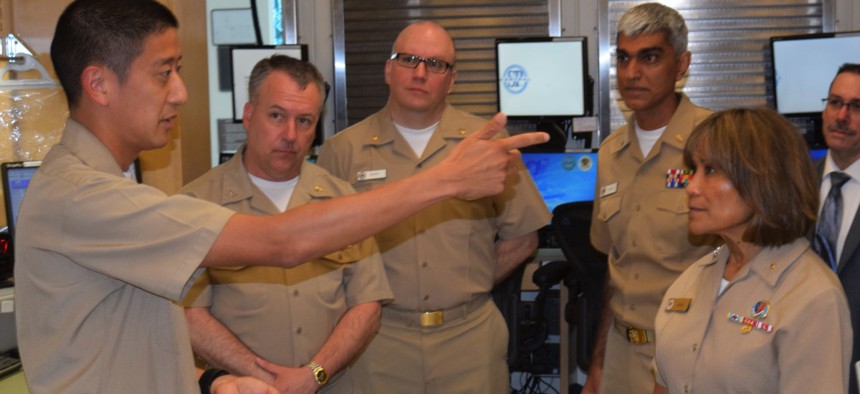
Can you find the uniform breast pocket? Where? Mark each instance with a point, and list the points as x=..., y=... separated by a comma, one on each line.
x=609, y=207
x=330, y=287
x=671, y=217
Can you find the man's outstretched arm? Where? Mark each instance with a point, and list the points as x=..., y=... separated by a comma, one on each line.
x=477, y=167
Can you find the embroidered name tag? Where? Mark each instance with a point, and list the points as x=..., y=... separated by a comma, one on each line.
x=678, y=305
x=609, y=189
x=371, y=175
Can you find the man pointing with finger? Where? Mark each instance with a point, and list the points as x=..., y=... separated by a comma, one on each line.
x=100, y=258
x=443, y=261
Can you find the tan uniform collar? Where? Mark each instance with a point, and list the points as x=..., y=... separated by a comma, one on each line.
x=769, y=264
x=677, y=132
x=237, y=186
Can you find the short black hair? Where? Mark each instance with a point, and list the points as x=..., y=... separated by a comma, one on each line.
x=110, y=33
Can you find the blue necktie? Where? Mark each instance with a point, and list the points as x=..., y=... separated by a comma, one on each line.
x=827, y=231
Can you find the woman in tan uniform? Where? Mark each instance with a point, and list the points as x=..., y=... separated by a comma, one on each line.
x=762, y=313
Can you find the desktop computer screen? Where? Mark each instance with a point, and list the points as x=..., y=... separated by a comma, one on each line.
x=16, y=177
x=542, y=77
x=563, y=177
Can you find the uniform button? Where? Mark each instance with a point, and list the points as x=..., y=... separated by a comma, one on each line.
x=427, y=297
x=695, y=346
x=686, y=388
x=424, y=264
x=318, y=188
x=299, y=330
x=295, y=293
x=638, y=207
x=634, y=243
x=636, y=276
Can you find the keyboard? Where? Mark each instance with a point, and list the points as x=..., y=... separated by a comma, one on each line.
x=9, y=363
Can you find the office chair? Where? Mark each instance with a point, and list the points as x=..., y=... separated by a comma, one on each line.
x=528, y=325
x=583, y=273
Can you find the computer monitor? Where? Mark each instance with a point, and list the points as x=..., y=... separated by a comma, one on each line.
x=563, y=177
x=16, y=177
x=244, y=58
x=542, y=77
x=817, y=154
x=803, y=67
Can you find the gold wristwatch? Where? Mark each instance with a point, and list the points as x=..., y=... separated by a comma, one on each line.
x=320, y=375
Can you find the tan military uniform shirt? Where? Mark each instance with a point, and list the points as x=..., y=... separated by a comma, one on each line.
x=641, y=224
x=444, y=255
x=100, y=260
x=803, y=345
x=442, y=258
x=286, y=315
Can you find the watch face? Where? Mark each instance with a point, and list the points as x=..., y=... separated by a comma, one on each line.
x=322, y=377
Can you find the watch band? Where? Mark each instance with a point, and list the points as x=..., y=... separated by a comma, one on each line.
x=320, y=374
x=208, y=377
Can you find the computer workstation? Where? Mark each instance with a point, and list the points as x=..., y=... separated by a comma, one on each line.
x=543, y=84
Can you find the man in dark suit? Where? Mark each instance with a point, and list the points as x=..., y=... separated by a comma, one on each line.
x=841, y=129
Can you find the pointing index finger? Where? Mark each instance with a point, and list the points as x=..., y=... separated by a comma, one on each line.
x=525, y=139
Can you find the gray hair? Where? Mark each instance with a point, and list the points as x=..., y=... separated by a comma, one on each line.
x=652, y=18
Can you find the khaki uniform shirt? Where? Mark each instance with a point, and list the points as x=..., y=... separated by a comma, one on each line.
x=809, y=346
x=100, y=260
x=639, y=222
x=443, y=256
x=285, y=315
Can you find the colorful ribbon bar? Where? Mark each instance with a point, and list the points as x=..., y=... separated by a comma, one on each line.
x=760, y=325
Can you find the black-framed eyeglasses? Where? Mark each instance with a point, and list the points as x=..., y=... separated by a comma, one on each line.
x=433, y=65
x=836, y=104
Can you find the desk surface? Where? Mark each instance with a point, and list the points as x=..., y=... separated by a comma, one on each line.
x=14, y=384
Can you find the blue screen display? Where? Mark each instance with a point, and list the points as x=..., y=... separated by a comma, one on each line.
x=817, y=153
x=563, y=177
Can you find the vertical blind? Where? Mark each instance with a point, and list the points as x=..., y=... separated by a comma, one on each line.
x=729, y=40
x=370, y=27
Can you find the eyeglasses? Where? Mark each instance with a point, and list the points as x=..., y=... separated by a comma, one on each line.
x=836, y=104
x=433, y=65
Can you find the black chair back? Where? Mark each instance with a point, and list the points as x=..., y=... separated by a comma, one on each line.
x=586, y=278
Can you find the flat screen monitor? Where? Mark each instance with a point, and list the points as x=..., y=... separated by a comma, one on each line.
x=244, y=58
x=542, y=77
x=563, y=177
x=16, y=177
x=804, y=66
x=817, y=154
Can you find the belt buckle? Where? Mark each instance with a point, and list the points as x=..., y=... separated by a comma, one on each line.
x=637, y=336
x=430, y=319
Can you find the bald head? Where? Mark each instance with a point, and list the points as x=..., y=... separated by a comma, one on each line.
x=428, y=33
x=417, y=95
